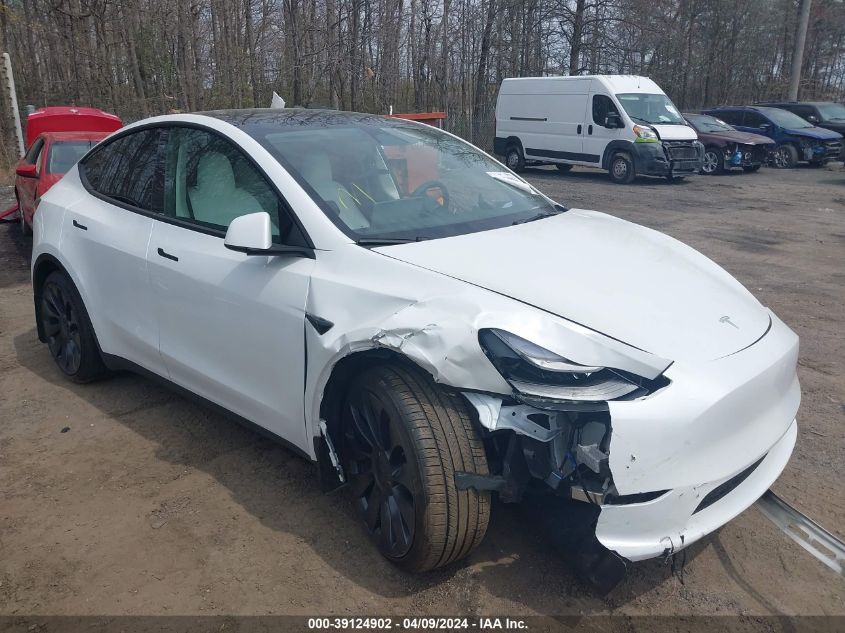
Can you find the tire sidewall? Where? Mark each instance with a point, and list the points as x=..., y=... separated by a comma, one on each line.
x=91, y=364
x=617, y=174
x=514, y=158
x=718, y=162
x=372, y=381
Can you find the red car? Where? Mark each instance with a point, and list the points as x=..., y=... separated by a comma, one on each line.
x=56, y=141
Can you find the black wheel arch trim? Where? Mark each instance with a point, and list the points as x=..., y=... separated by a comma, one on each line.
x=616, y=146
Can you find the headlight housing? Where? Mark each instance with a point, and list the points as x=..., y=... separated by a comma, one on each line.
x=536, y=372
x=645, y=134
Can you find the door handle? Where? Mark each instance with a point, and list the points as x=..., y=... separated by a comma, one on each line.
x=589, y=129
x=80, y=226
x=579, y=128
x=167, y=255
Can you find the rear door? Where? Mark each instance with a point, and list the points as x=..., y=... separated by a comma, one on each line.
x=232, y=325
x=105, y=237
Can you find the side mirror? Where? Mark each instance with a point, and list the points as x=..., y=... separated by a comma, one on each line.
x=253, y=234
x=613, y=121
x=27, y=171
x=812, y=118
x=766, y=127
x=250, y=234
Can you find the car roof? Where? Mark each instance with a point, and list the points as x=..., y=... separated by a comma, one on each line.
x=74, y=136
x=293, y=116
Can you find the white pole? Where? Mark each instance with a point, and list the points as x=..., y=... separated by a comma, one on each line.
x=13, y=101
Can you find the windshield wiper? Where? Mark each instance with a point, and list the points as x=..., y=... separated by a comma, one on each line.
x=387, y=241
x=540, y=216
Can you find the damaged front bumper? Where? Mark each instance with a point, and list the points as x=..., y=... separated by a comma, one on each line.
x=667, y=468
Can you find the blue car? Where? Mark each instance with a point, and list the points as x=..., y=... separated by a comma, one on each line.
x=796, y=139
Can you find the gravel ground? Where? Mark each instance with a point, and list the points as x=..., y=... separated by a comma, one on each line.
x=122, y=498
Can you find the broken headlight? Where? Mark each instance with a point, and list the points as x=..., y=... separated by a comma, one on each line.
x=535, y=371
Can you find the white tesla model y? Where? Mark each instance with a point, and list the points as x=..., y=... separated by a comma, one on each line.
x=399, y=307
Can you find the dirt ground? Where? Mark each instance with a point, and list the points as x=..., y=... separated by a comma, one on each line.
x=122, y=498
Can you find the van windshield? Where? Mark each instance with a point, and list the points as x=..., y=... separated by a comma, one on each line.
x=832, y=111
x=648, y=108
x=383, y=180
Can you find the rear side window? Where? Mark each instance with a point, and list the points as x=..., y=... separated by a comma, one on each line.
x=130, y=170
x=731, y=117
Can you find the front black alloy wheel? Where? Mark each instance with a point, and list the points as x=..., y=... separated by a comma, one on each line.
x=404, y=438
x=381, y=480
x=67, y=329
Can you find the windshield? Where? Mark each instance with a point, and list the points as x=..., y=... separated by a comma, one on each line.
x=703, y=123
x=785, y=118
x=832, y=111
x=65, y=154
x=645, y=108
x=391, y=180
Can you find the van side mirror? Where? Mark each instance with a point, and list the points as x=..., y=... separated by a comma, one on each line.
x=613, y=121
x=812, y=118
x=250, y=233
x=766, y=127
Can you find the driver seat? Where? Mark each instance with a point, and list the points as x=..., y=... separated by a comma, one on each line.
x=316, y=168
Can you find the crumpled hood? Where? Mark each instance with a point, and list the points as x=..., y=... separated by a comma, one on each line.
x=621, y=279
x=674, y=132
x=746, y=138
x=818, y=133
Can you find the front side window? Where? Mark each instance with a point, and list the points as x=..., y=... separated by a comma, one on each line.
x=129, y=170
x=832, y=111
x=649, y=108
x=602, y=106
x=65, y=154
x=753, y=119
x=395, y=180
x=210, y=182
x=33, y=154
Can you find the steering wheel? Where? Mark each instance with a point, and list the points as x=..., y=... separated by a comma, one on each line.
x=428, y=185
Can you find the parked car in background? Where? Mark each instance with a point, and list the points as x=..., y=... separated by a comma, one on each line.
x=796, y=139
x=726, y=148
x=622, y=123
x=423, y=323
x=47, y=160
x=56, y=138
x=826, y=114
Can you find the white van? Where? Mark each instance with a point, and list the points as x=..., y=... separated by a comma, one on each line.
x=622, y=123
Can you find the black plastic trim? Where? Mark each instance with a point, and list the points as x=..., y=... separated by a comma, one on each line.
x=550, y=153
x=171, y=219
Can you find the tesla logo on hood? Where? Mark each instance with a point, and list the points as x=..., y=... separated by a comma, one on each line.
x=727, y=319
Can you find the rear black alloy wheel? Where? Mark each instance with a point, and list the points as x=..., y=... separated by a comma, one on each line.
x=67, y=329
x=381, y=480
x=404, y=438
x=713, y=161
x=61, y=327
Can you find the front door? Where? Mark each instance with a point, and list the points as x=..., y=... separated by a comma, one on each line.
x=599, y=135
x=232, y=325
